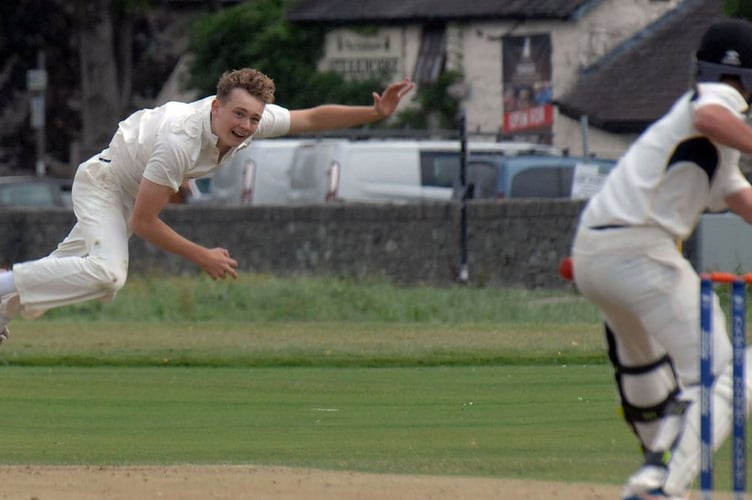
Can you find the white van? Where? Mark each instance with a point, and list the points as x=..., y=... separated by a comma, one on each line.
x=312, y=179
x=387, y=170
x=257, y=175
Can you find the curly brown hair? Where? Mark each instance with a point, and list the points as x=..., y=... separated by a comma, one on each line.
x=253, y=81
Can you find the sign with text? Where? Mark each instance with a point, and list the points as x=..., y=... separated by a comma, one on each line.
x=533, y=118
x=587, y=180
x=356, y=55
x=528, y=93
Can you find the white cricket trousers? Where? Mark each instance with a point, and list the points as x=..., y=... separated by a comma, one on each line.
x=650, y=297
x=92, y=261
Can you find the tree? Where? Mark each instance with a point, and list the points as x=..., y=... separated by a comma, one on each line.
x=106, y=54
x=28, y=27
x=256, y=34
x=436, y=108
x=96, y=52
x=738, y=8
x=104, y=59
x=99, y=89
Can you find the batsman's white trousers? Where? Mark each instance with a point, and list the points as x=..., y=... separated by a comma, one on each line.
x=650, y=297
x=92, y=261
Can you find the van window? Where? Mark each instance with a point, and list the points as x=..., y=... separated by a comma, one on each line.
x=543, y=182
x=483, y=176
x=29, y=194
x=204, y=185
x=439, y=169
x=303, y=171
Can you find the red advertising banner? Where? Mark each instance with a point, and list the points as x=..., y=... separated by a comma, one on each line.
x=529, y=119
x=527, y=85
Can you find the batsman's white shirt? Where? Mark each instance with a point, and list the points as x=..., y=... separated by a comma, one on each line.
x=164, y=145
x=672, y=174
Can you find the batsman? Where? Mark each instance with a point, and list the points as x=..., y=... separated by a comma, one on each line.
x=626, y=262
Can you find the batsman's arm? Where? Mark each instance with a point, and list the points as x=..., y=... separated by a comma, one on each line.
x=719, y=124
x=741, y=204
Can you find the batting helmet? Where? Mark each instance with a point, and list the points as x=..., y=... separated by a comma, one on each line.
x=726, y=50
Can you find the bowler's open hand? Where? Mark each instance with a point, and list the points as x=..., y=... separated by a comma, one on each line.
x=387, y=102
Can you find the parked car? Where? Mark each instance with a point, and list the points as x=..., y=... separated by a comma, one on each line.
x=33, y=191
x=257, y=175
x=530, y=176
x=387, y=170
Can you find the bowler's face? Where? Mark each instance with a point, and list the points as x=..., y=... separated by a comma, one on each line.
x=236, y=119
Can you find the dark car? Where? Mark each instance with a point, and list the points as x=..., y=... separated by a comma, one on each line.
x=32, y=191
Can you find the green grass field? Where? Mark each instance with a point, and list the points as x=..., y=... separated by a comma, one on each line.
x=319, y=373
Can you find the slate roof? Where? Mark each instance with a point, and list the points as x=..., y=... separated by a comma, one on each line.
x=389, y=11
x=638, y=81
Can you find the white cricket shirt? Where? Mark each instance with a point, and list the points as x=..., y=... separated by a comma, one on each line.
x=174, y=142
x=672, y=173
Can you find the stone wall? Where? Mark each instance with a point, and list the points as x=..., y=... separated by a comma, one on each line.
x=517, y=243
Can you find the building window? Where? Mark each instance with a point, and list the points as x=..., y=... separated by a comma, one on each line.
x=431, y=55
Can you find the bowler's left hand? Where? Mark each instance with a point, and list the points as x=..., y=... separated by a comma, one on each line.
x=387, y=102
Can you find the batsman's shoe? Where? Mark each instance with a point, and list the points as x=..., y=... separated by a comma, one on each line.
x=647, y=478
x=656, y=494
x=4, y=334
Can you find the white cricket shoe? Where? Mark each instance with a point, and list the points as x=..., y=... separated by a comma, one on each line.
x=648, y=478
x=4, y=334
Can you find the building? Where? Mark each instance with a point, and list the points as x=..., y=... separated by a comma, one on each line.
x=531, y=69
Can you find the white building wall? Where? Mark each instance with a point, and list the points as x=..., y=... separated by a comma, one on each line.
x=578, y=46
x=574, y=47
x=476, y=49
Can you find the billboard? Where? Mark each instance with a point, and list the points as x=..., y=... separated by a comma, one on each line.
x=527, y=86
